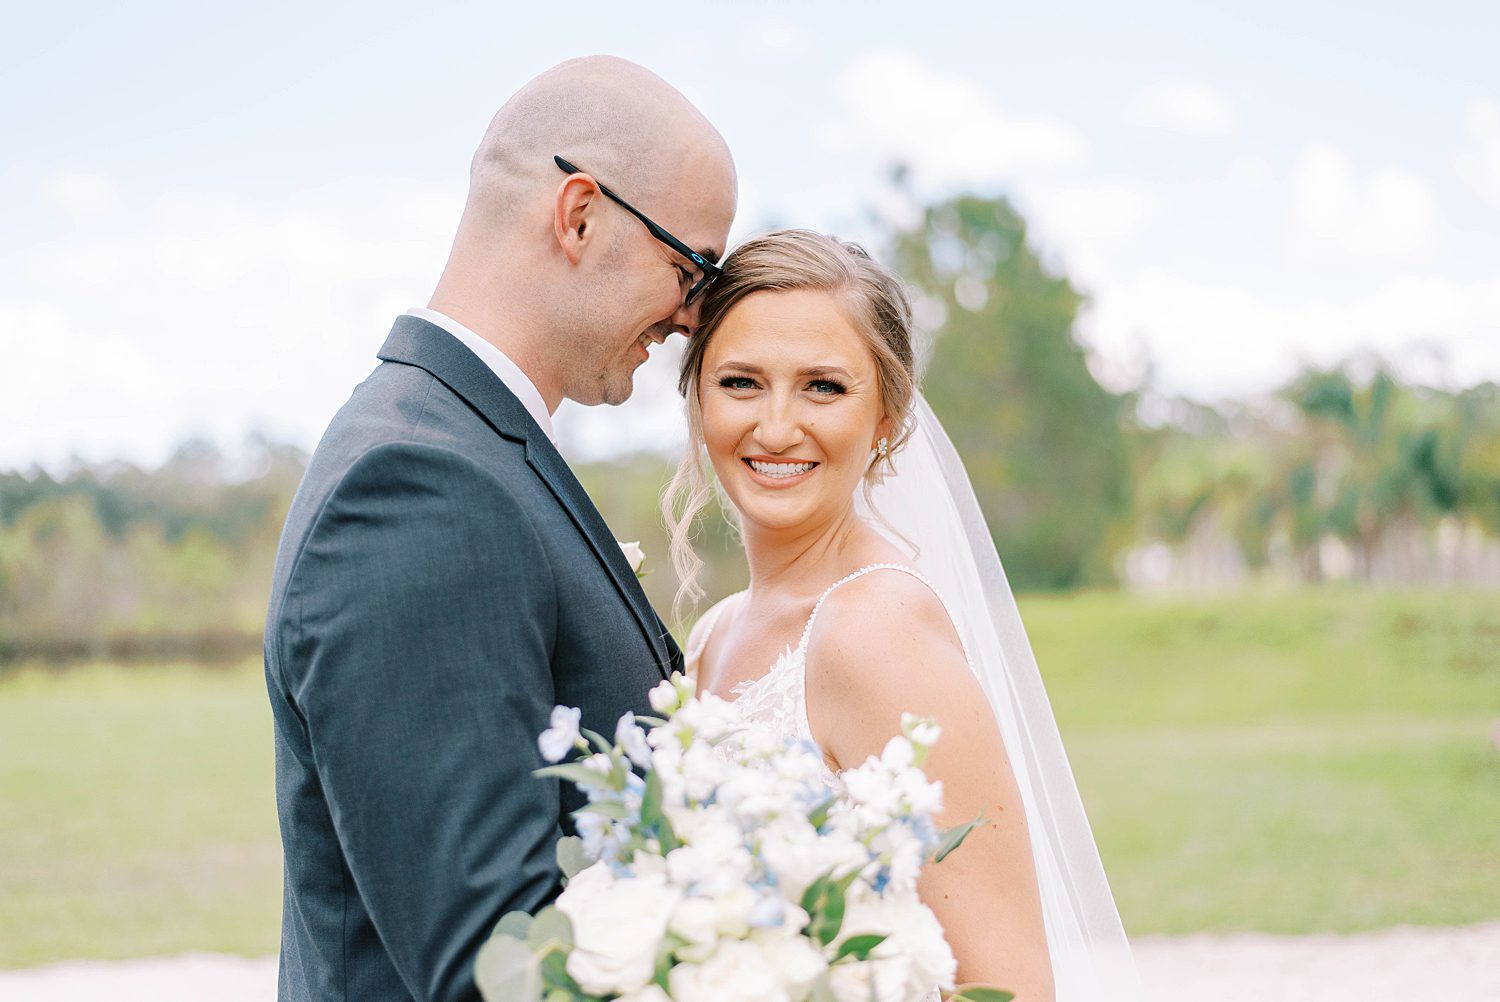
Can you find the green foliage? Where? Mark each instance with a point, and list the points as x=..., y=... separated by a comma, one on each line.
x=112, y=561
x=1362, y=459
x=1041, y=438
x=954, y=837
x=1242, y=761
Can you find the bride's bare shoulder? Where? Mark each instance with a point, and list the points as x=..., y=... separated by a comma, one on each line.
x=870, y=625
x=883, y=645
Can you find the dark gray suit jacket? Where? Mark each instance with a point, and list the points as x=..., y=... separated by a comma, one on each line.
x=442, y=581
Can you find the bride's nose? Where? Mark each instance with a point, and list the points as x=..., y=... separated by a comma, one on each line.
x=777, y=428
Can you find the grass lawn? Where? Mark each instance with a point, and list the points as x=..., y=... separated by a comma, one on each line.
x=1294, y=762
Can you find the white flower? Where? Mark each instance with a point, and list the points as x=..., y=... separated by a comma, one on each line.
x=879, y=979
x=914, y=959
x=921, y=730
x=898, y=754
x=651, y=993
x=634, y=556
x=562, y=734
x=618, y=925
x=738, y=971
x=794, y=851
x=798, y=961
x=630, y=736
x=670, y=694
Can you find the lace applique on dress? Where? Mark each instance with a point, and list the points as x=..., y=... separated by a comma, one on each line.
x=778, y=699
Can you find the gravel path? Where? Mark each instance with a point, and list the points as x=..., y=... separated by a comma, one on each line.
x=1406, y=964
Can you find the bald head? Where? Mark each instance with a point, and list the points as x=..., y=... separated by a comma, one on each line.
x=575, y=290
x=612, y=118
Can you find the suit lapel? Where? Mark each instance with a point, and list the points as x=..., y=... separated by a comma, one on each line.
x=416, y=342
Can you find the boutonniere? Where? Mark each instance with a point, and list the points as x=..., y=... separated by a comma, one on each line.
x=635, y=557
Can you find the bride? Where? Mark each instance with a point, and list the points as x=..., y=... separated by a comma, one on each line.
x=875, y=590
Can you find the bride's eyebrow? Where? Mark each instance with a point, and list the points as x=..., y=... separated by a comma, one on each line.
x=825, y=370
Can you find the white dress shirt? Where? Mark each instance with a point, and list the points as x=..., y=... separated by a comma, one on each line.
x=509, y=372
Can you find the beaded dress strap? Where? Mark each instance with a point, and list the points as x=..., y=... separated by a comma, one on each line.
x=807, y=630
x=713, y=621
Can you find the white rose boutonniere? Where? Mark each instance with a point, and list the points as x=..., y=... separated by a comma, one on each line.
x=635, y=557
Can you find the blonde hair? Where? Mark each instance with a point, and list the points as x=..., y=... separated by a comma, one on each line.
x=875, y=303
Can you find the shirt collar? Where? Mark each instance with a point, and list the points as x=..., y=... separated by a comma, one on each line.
x=509, y=372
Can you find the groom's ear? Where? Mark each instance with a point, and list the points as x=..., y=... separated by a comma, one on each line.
x=573, y=215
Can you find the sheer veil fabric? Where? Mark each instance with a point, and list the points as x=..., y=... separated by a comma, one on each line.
x=927, y=507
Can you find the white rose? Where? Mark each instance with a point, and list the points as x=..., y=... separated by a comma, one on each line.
x=913, y=936
x=739, y=971
x=634, y=556
x=618, y=926
x=694, y=921
x=879, y=979
x=651, y=993
x=798, y=961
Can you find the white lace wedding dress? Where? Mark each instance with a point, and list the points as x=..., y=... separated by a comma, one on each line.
x=778, y=699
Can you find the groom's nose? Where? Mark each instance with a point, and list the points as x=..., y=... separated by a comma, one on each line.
x=685, y=320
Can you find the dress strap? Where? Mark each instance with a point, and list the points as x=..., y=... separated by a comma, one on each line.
x=807, y=630
x=712, y=617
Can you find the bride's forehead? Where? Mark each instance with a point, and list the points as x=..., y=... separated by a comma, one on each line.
x=798, y=328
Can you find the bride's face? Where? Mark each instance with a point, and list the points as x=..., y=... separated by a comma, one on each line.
x=791, y=408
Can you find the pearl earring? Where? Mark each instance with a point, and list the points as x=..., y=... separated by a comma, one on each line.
x=882, y=447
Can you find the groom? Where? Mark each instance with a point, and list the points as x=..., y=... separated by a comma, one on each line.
x=443, y=579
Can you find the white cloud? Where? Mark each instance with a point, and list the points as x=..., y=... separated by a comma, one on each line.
x=206, y=313
x=777, y=37
x=1085, y=223
x=942, y=124
x=1183, y=106
x=1388, y=214
x=1479, y=160
x=83, y=194
x=1209, y=340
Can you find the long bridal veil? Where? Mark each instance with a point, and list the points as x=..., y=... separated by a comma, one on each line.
x=928, y=505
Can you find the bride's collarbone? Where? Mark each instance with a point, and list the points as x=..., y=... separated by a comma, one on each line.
x=748, y=642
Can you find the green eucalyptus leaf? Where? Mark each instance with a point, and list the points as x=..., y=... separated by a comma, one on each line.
x=954, y=837
x=982, y=993
x=555, y=976
x=550, y=927
x=573, y=772
x=829, y=917
x=606, y=809
x=651, y=800
x=514, y=924
x=598, y=739
x=859, y=947
x=819, y=816
x=813, y=896
x=571, y=859
x=507, y=971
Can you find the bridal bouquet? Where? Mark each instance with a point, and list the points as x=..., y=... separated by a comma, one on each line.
x=713, y=862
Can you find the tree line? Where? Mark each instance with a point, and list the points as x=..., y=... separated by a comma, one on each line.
x=115, y=561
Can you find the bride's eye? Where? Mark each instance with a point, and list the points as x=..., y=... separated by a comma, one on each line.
x=826, y=387
x=737, y=383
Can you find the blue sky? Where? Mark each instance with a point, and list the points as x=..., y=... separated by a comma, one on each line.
x=213, y=214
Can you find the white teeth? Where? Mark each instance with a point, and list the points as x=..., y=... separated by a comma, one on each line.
x=780, y=469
